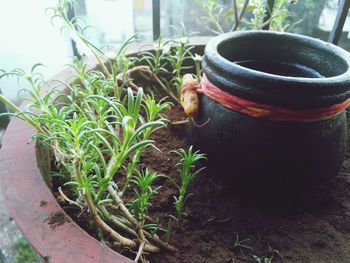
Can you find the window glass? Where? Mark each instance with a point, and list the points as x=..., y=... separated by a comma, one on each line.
x=28, y=37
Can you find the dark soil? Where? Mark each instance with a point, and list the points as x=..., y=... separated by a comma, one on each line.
x=43, y=203
x=57, y=219
x=223, y=226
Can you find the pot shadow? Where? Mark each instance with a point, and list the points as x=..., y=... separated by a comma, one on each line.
x=292, y=198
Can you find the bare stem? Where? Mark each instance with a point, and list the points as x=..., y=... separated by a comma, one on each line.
x=140, y=233
x=235, y=11
x=182, y=122
x=239, y=17
x=120, y=204
x=120, y=240
x=155, y=239
x=241, y=14
x=215, y=22
x=161, y=84
x=139, y=253
x=147, y=72
x=70, y=201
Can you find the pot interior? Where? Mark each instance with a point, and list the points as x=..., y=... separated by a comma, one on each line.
x=284, y=55
x=281, y=68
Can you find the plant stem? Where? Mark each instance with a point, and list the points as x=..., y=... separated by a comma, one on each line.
x=70, y=201
x=139, y=252
x=235, y=11
x=117, y=222
x=216, y=23
x=161, y=84
x=121, y=240
x=19, y=111
x=155, y=239
x=147, y=70
x=239, y=17
x=120, y=204
x=241, y=14
x=182, y=122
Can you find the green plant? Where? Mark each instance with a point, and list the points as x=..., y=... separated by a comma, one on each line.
x=241, y=244
x=95, y=130
x=180, y=52
x=24, y=252
x=157, y=59
x=258, y=12
x=168, y=59
x=83, y=131
x=144, y=192
x=98, y=125
x=262, y=259
x=118, y=63
x=213, y=11
x=280, y=16
x=197, y=63
x=186, y=165
x=152, y=110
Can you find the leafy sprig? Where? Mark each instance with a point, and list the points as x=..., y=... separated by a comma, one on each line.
x=187, y=173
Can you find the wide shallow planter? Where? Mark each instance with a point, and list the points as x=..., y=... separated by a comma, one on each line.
x=29, y=200
x=274, y=72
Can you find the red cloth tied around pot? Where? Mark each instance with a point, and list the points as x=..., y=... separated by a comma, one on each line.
x=265, y=111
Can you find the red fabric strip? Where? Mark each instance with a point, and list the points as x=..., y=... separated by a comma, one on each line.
x=265, y=111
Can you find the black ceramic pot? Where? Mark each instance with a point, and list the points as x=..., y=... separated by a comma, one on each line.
x=285, y=71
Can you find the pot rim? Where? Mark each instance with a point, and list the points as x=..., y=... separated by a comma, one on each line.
x=277, y=90
x=30, y=201
x=343, y=55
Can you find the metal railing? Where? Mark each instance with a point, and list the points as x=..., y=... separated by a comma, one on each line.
x=337, y=29
x=156, y=18
x=334, y=35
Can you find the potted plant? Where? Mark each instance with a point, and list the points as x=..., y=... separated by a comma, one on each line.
x=98, y=136
x=103, y=101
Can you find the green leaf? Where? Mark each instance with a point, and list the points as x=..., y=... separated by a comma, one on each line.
x=229, y=13
x=251, y=8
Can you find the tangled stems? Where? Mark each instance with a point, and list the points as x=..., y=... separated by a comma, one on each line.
x=121, y=240
x=97, y=129
x=82, y=131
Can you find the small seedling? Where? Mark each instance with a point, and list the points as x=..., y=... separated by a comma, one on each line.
x=144, y=182
x=219, y=16
x=241, y=244
x=262, y=259
x=186, y=166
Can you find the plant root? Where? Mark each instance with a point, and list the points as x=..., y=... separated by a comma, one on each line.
x=182, y=122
